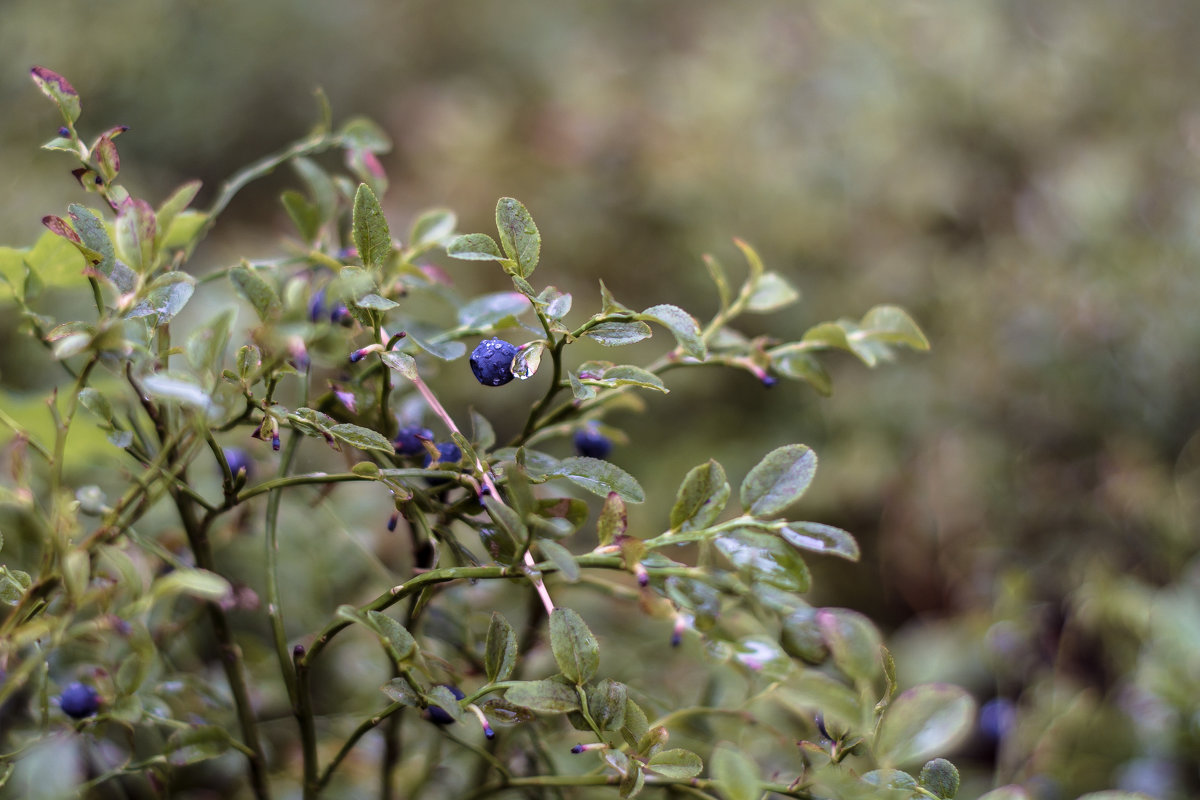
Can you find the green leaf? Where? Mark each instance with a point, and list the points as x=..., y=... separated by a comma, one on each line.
x=107, y=159
x=432, y=228
x=400, y=362
x=165, y=297
x=820, y=538
x=58, y=89
x=922, y=722
x=545, y=697
x=206, y=345
x=362, y=133
x=399, y=641
x=474, y=247
x=892, y=324
x=376, y=303
x=518, y=235
x=682, y=324
x=771, y=293
x=500, y=651
x=178, y=389
x=854, y=642
x=136, y=229
x=719, y=279
x=607, y=701
x=609, y=304
x=260, y=294
x=676, y=763
x=736, y=774
x=598, y=477
x=629, y=375
x=576, y=650
x=562, y=558
x=752, y=259
x=487, y=310
x=446, y=351
x=362, y=438
x=198, y=583
x=173, y=206
x=400, y=691
x=779, y=480
x=371, y=234
x=763, y=558
x=763, y=656
x=827, y=334
x=1015, y=792
x=701, y=497
x=95, y=238
x=197, y=743
x=811, y=690
x=97, y=403
x=320, y=186
x=184, y=229
x=443, y=698
x=305, y=215
x=1112, y=794
x=613, y=520
x=802, y=366
x=616, y=334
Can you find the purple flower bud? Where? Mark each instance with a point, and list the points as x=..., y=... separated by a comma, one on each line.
x=577, y=749
x=275, y=441
x=392, y=520
x=316, y=305
x=768, y=380
x=238, y=460
x=64, y=131
x=357, y=355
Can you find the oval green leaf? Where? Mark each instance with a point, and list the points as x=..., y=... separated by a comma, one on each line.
x=922, y=722
x=779, y=480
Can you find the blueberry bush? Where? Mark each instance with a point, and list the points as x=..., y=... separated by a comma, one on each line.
x=507, y=626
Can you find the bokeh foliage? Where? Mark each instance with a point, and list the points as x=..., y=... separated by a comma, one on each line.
x=1020, y=175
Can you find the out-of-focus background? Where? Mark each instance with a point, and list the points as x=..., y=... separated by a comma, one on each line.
x=1021, y=176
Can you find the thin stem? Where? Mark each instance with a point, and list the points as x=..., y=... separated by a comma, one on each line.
x=274, y=609
x=365, y=727
x=304, y=715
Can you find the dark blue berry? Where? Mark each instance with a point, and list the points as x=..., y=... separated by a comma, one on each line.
x=436, y=714
x=448, y=453
x=64, y=131
x=591, y=443
x=408, y=440
x=238, y=460
x=79, y=700
x=491, y=361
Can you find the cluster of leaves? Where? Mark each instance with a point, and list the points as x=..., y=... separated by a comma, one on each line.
x=97, y=595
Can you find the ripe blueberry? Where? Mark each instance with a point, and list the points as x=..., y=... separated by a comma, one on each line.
x=491, y=361
x=238, y=460
x=408, y=440
x=436, y=714
x=592, y=443
x=79, y=700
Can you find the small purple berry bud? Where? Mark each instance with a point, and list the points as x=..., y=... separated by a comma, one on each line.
x=392, y=520
x=357, y=356
x=275, y=441
x=340, y=315
x=98, y=181
x=316, y=305
x=488, y=732
x=577, y=749
x=769, y=380
x=64, y=131
x=298, y=651
x=643, y=577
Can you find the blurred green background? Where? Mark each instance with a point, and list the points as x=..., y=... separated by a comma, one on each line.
x=1022, y=176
